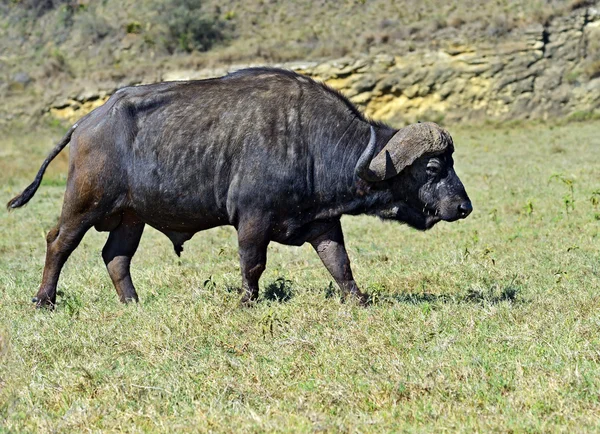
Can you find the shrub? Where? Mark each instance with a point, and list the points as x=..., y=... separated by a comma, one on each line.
x=133, y=27
x=583, y=116
x=92, y=27
x=38, y=8
x=578, y=4
x=189, y=28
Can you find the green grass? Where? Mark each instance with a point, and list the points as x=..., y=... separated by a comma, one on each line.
x=488, y=324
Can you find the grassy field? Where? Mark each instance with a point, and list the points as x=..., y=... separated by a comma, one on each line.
x=488, y=324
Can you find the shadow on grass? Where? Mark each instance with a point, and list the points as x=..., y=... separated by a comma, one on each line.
x=492, y=295
x=281, y=290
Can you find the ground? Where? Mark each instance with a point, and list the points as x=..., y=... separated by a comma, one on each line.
x=487, y=324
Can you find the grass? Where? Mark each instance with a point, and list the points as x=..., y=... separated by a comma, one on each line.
x=488, y=324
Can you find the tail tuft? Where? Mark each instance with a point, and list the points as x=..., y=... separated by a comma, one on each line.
x=23, y=198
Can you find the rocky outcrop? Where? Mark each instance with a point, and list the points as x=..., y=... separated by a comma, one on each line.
x=539, y=72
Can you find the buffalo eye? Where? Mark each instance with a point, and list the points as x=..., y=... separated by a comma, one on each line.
x=434, y=168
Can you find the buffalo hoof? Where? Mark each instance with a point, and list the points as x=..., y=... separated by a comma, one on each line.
x=43, y=302
x=249, y=300
x=129, y=300
x=360, y=298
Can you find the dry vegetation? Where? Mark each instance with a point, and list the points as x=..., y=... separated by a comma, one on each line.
x=488, y=324
x=51, y=50
x=76, y=37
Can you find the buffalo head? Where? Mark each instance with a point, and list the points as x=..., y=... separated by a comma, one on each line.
x=415, y=174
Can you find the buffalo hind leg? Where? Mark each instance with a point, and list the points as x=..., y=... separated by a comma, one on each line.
x=253, y=258
x=120, y=247
x=60, y=243
x=332, y=251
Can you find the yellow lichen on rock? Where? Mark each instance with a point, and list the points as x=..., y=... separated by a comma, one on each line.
x=75, y=110
x=390, y=108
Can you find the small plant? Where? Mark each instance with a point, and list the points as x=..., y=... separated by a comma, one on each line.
x=133, y=27
x=493, y=214
x=210, y=284
x=376, y=293
x=466, y=253
x=72, y=303
x=559, y=275
x=528, y=208
x=595, y=199
x=331, y=290
x=269, y=323
x=487, y=254
x=572, y=77
x=569, y=198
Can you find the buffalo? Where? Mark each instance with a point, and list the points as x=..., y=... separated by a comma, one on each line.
x=275, y=154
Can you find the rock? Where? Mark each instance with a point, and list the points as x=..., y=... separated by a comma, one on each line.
x=365, y=83
x=22, y=78
x=524, y=86
x=389, y=84
x=549, y=81
x=411, y=91
x=385, y=60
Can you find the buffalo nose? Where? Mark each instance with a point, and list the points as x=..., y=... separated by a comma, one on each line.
x=464, y=209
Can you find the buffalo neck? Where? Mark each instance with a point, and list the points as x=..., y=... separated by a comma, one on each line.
x=335, y=182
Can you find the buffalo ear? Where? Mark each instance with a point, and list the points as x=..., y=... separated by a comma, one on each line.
x=408, y=144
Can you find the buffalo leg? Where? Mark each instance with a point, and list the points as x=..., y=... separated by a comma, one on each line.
x=120, y=247
x=253, y=259
x=61, y=241
x=332, y=251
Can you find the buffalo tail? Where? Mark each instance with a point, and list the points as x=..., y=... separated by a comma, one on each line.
x=27, y=194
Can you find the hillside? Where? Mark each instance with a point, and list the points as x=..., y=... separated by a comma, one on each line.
x=58, y=49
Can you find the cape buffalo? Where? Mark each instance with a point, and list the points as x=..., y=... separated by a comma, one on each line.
x=273, y=153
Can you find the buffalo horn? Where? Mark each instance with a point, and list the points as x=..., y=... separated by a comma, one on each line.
x=408, y=144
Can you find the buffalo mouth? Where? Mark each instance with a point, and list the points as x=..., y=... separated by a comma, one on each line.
x=421, y=218
x=431, y=217
x=459, y=212
x=452, y=218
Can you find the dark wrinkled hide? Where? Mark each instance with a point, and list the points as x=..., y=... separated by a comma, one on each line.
x=270, y=152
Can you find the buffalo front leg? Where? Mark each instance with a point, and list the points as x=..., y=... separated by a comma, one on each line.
x=332, y=251
x=60, y=243
x=253, y=258
x=120, y=247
